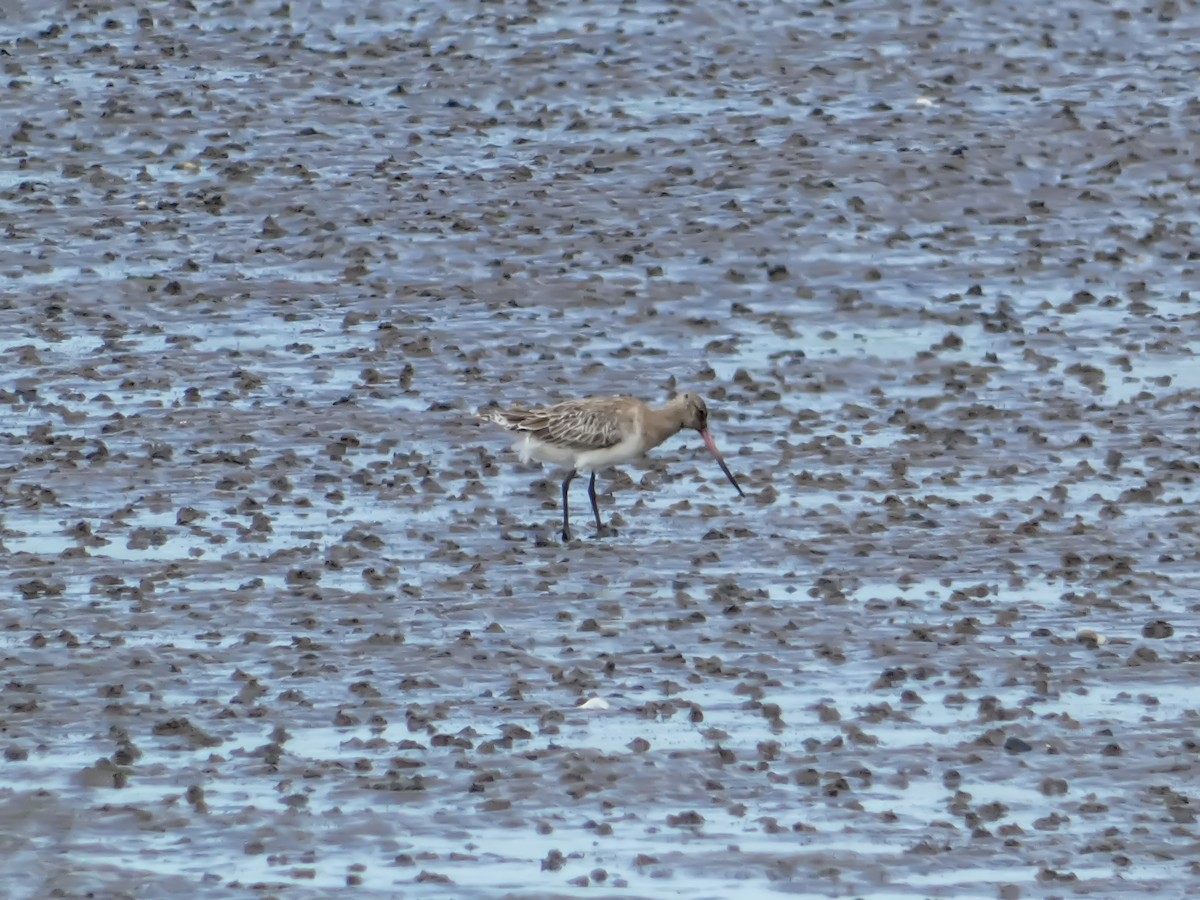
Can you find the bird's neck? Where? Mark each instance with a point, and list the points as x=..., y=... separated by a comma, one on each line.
x=660, y=424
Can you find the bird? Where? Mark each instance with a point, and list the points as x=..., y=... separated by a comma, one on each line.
x=592, y=433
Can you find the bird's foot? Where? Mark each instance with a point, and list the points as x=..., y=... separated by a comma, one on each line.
x=566, y=536
x=606, y=531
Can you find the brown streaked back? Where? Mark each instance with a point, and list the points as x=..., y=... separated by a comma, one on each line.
x=594, y=423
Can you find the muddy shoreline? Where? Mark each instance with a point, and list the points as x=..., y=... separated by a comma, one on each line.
x=283, y=619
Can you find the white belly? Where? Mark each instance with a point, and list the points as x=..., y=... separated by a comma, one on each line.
x=529, y=447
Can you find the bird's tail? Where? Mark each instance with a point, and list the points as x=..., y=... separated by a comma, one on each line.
x=497, y=416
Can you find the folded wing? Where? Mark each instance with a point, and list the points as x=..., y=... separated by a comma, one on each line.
x=578, y=425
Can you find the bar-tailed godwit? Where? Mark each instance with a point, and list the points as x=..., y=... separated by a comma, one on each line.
x=598, y=432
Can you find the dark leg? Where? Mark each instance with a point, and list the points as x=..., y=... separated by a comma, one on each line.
x=566, y=508
x=595, y=508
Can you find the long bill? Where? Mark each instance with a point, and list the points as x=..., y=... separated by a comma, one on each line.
x=712, y=448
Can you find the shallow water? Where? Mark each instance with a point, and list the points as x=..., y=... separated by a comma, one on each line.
x=283, y=617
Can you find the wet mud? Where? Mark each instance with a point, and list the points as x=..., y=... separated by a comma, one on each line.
x=281, y=618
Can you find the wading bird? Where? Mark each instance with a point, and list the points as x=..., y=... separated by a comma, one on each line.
x=597, y=432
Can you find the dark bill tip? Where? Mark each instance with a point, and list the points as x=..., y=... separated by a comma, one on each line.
x=712, y=448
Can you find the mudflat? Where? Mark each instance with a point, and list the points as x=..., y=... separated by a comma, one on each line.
x=280, y=617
